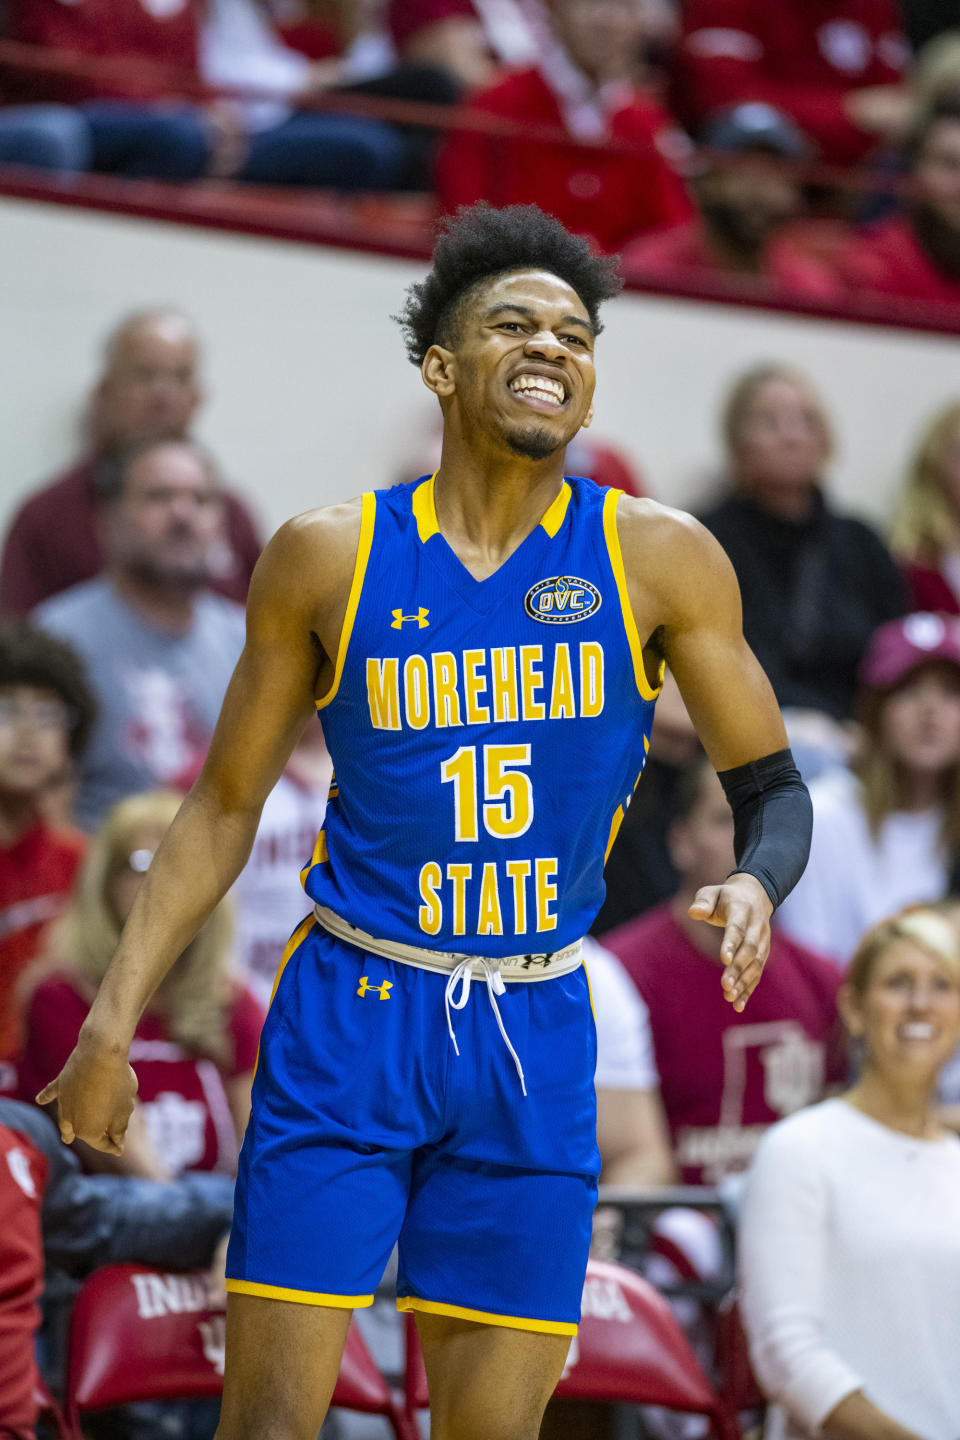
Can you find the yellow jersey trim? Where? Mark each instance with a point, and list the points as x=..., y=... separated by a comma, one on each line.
x=620, y=575
x=425, y=509
x=299, y=1297
x=367, y=517
x=589, y=991
x=621, y=812
x=485, y=1317
x=555, y=512
x=319, y=856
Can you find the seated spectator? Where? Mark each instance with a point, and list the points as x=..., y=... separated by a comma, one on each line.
x=916, y=255
x=468, y=39
x=835, y=67
x=725, y=1077
x=887, y=833
x=631, y=1128
x=815, y=583
x=926, y=19
x=639, y=872
x=611, y=180
x=268, y=898
x=46, y=711
x=849, y=1246
x=742, y=234
x=925, y=537
x=195, y=1048
x=160, y=646
x=52, y=1214
x=148, y=386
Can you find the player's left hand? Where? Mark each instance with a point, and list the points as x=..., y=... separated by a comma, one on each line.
x=743, y=908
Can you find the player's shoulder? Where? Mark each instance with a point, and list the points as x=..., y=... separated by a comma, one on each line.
x=311, y=557
x=665, y=542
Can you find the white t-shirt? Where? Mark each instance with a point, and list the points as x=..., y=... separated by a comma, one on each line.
x=851, y=880
x=624, y=1043
x=849, y=1252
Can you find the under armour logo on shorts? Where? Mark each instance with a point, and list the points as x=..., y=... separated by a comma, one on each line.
x=382, y=990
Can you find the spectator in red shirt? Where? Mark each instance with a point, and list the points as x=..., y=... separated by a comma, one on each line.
x=835, y=66
x=149, y=386
x=916, y=255
x=195, y=1048
x=46, y=711
x=925, y=537
x=585, y=87
x=468, y=39
x=741, y=238
x=725, y=1077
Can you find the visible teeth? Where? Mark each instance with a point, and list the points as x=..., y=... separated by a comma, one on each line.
x=916, y=1031
x=541, y=387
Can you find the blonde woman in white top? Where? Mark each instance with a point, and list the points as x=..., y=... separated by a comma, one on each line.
x=850, y=1229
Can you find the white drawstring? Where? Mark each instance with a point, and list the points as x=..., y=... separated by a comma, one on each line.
x=462, y=976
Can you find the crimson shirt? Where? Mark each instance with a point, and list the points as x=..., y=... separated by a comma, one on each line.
x=407, y=17
x=127, y=30
x=683, y=253
x=52, y=544
x=725, y=1078
x=23, y=1179
x=802, y=56
x=182, y=1095
x=592, y=190
x=888, y=259
x=36, y=876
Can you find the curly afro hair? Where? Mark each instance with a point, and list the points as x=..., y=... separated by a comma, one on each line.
x=479, y=243
x=31, y=657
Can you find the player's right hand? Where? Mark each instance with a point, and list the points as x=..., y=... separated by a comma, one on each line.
x=94, y=1094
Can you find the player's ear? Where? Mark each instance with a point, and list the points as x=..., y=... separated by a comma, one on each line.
x=587, y=419
x=437, y=371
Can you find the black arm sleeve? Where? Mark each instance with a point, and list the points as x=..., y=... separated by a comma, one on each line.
x=773, y=821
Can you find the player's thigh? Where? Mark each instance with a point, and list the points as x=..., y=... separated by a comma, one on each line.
x=282, y=1361
x=488, y=1382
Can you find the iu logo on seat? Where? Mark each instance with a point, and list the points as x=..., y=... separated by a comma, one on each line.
x=419, y=619
x=382, y=990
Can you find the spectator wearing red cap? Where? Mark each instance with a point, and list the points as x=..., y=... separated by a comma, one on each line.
x=916, y=255
x=834, y=66
x=741, y=238
x=468, y=39
x=585, y=87
x=925, y=537
x=887, y=832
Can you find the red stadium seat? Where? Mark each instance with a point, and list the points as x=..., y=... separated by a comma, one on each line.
x=139, y=1334
x=629, y=1349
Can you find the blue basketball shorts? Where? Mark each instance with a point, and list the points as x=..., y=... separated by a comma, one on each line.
x=368, y=1130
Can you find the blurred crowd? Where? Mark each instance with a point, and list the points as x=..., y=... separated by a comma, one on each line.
x=807, y=152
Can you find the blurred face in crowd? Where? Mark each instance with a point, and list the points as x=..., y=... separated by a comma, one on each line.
x=150, y=385
x=948, y=468
x=603, y=38
x=920, y=720
x=746, y=202
x=938, y=171
x=129, y=864
x=781, y=441
x=701, y=844
x=908, y=1011
x=167, y=520
x=34, y=740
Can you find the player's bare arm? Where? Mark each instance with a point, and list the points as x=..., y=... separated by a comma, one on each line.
x=295, y=612
x=686, y=603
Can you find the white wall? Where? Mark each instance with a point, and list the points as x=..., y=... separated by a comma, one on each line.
x=311, y=397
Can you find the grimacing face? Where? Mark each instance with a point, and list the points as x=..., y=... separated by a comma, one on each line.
x=520, y=372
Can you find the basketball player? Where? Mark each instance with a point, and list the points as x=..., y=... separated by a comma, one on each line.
x=485, y=648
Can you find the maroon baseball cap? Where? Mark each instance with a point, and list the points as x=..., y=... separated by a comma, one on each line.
x=901, y=646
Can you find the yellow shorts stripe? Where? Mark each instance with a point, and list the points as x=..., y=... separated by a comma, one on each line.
x=486, y=1317
x=299, y=935
x=299, y=1297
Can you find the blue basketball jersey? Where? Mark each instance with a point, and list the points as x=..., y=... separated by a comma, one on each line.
x=487, y=735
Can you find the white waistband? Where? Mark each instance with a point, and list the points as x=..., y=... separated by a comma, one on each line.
x=539, y=966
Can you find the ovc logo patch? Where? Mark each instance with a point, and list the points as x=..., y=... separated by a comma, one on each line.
x=561, y=600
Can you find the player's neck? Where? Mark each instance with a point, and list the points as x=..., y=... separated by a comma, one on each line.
x=487, y=504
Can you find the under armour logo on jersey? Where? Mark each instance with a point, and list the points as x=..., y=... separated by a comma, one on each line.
x=382, y=990
x=399, y=619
